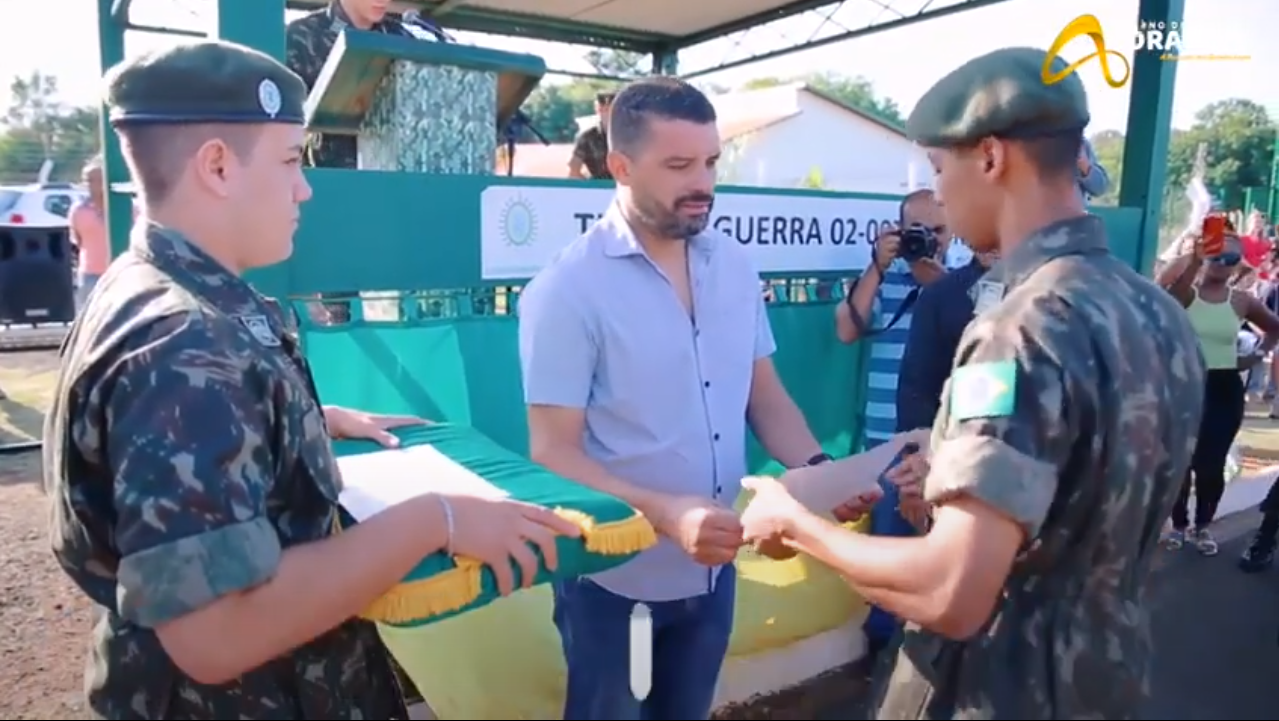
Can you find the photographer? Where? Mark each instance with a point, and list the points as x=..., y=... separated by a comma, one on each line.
x=878, y=307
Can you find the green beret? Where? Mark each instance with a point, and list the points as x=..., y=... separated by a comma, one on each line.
x=1003, y=95
x=204, y=82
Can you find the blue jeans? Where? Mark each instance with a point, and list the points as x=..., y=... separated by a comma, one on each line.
x=690, y=639
x=885, y=520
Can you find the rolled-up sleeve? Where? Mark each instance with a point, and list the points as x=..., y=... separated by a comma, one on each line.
x=558, y=350
x=188, y=434
x=1011, y=456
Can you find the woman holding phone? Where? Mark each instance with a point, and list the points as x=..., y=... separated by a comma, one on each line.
x=1200, y=278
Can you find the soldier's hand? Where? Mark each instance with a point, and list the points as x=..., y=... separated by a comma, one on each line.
x=352, y=424
x=497, y=532
x=852, y=510
x=886, y=246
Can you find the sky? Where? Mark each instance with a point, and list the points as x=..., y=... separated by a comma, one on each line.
x=902, y=63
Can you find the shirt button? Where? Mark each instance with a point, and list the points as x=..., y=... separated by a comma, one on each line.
x=719, y=490
x=715, y=437
x=706, y=384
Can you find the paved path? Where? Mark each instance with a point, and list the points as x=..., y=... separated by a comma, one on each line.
x=1216, y=634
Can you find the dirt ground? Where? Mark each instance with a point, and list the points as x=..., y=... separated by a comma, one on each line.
x=45, y=622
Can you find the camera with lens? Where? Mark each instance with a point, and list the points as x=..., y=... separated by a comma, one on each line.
x=916, y=243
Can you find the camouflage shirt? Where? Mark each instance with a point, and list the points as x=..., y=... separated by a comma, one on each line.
x=185, y=451
x=308, y=41
x=1073, y=408
x=591, y=150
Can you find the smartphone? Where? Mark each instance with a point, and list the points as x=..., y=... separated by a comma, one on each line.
x=1214, y=234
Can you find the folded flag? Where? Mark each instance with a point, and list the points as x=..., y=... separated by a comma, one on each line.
x=447, y=458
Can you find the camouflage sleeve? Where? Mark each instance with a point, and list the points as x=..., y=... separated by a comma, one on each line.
x=1009, y=415
x=579, y=147
x=188, y=441
x=304, y=50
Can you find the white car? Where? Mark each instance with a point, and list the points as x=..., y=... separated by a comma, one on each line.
x=42, y=205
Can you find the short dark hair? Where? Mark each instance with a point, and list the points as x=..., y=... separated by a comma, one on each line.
x=908, y=200
x=605, y=98
x=659, y=97
x=1055, y=154
x=158, y=154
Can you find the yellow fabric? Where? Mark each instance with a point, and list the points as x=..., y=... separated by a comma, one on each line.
x=504, y=661
x=1217, y=326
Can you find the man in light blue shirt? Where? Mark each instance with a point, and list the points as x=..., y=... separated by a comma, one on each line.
x=646, y=352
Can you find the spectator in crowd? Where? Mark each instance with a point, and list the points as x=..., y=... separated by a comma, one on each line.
x=1260, y=553
x=1093, y=179
x=590, y=150
x=88, y=227
x=878, y=306
x=1202, y=285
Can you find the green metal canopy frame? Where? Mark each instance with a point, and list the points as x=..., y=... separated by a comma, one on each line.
x=662, y=28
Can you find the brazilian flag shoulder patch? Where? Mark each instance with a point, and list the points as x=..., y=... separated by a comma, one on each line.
x=983, y=390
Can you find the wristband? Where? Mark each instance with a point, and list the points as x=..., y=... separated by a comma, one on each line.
x=448, y=525
x=818, y=459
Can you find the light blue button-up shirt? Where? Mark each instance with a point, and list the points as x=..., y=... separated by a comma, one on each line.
x=665, y=393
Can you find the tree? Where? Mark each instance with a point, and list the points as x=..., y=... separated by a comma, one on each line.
x=37, y=127
x=1240, y=137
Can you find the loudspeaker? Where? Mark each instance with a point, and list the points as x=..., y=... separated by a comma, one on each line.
x=36, y=283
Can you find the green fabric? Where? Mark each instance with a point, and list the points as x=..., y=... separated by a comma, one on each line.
x=1000, y=94
x=467, y=371
x=524, y=481
x=203, y=82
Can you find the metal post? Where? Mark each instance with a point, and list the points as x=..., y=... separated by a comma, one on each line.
x=119, y=210
x=258, y=24
x=1145, y=168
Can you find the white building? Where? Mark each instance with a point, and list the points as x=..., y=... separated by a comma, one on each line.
x=788, y=136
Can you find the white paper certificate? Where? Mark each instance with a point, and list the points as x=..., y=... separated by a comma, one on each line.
x=373, y=482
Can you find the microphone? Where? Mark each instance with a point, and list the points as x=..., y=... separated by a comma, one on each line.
x=413, y=18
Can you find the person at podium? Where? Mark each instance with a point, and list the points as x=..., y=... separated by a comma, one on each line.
x=646, y=351
x=308, y=42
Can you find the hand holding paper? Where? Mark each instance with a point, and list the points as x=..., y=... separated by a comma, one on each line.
x=770, y=516
x=839, y=484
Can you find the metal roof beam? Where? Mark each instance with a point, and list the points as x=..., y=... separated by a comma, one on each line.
x=850, y=35
x=751, y=21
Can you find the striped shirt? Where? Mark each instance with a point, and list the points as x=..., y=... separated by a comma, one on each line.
x=886, y=353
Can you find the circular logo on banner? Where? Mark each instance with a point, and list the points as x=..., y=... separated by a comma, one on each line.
x=519, y=222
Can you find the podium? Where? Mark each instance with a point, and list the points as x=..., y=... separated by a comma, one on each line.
x=418, y=106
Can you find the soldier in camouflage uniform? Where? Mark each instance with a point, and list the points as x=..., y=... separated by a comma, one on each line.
x=590, y=151
x=1060, y=447
x=187, y=455
x=308, y=41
